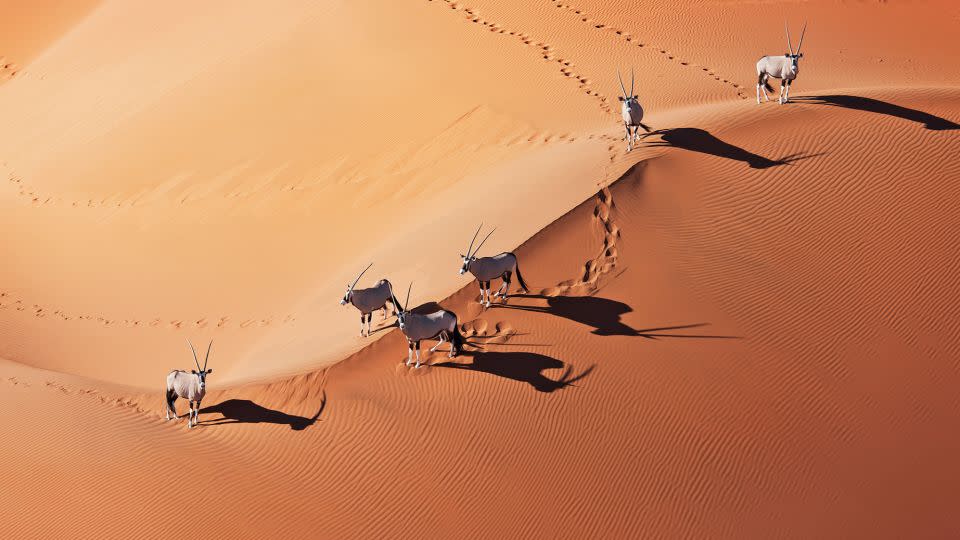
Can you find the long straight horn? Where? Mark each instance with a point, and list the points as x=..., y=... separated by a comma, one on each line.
x=802, y=32
x=631, y=82
x=787, y=29
x=360, y=276
x=396, y=303
x=407, y=302
x=474, y=239
x=207, y=357
x=622, y=89
x=195, y=359
x=484, y=240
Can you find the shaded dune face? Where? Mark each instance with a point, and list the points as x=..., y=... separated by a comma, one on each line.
x=746, y=327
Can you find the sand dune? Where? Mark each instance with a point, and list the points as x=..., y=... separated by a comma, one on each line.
x=743, y=328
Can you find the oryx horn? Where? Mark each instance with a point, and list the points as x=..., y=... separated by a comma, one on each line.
x=207, y=357
x=802, y=32
x=622, y=89
x=360, y=276
x=787, y=30
x=474, y=239
x=396, y=302
x=195, y=359
x=484, y=240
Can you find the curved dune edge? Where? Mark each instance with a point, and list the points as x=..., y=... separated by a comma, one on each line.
x=263, y=160
x=756, y=338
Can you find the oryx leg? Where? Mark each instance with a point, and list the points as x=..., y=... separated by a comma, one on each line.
x=384, y=313
x=171, y=400
x=629, y=139
x=439, y=343
x=196, y=415
x=789, y=83
x=369, y=323
x=499, y=291
x=362, y=321
x=418, y=354
x=487, y=290
x=762, y=87
x=190, y=414
x=504, y=287
x=409, y=352
x=783, y=90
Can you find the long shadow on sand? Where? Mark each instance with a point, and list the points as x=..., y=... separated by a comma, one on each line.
x=699, y=140
x=603, y=315
x=244, y=411
x=929, y=121
x=521, y=366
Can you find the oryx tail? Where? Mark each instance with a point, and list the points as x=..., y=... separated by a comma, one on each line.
x=523, y=284
x=456, y=337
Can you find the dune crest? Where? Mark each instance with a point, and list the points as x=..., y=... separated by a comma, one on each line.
x=745, y=327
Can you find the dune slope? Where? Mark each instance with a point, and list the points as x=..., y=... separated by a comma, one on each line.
x=746, y=327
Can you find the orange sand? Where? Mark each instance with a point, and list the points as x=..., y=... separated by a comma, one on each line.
x=746, y=327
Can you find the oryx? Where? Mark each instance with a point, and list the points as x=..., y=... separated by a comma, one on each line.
x=440, y=324
x=189, y=386
x=484, y=269
x=783, y=67
x=631, y=111
x=368, y=300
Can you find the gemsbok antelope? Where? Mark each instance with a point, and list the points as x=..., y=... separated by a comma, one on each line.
x=783, y=67
x=441, y=324
x=368, y=300
x=485, y=269
x=189, y=386
x=631, y=111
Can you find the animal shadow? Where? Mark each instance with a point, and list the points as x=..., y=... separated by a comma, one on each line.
x=244, y=411
x=521, y=366
x=929, y=121
x=603, y=314
x=699, y=140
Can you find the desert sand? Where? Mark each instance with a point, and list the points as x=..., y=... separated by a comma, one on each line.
x=747, y=327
